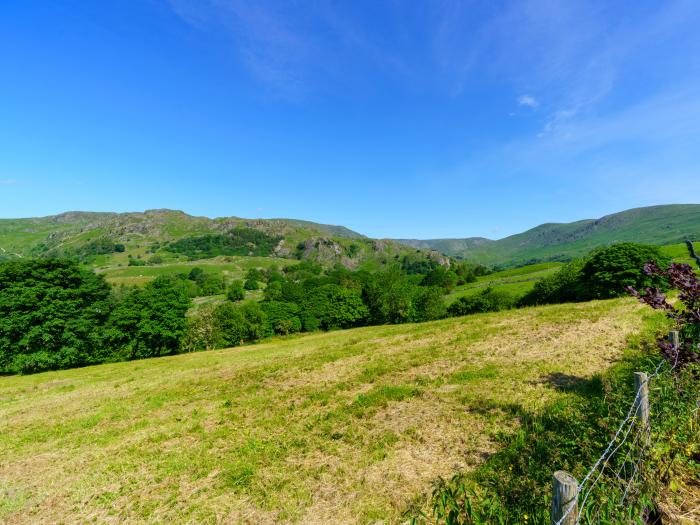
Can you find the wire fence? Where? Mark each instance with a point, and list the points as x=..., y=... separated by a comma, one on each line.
x=618, y=474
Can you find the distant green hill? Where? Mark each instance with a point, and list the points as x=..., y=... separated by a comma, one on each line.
x=115, y=238
x=660, y=225
x=177, y=236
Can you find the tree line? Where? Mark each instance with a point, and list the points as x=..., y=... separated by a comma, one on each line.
x=55, y=313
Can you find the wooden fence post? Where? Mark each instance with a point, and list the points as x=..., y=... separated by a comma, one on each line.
x=564, y=495
x=641, y=385
x=674, y=338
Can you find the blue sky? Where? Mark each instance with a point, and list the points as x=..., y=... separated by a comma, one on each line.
x=397, y=119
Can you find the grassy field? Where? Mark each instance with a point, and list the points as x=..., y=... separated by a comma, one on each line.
x=679, y=253
x=233, y=267
x=517, y=281
x=342, y=427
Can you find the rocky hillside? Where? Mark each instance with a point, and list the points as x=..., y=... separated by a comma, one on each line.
x=171, y=233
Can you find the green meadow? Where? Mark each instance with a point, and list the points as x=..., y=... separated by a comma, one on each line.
x=348, y=426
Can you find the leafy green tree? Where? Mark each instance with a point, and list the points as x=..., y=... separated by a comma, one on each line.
x=150, y=321
x=255, y=274
x=609, y=271
x=51, y=312
x=211, y=284
x=390, y=297
x=195, y=274
x=273, y=291
x=201, y=332
x=430, y=303
x=283, y=318
x=257, y=325
x=235, y=291
x=336, y=307
x=441, y=277
x=251, y=284
x=230, y=325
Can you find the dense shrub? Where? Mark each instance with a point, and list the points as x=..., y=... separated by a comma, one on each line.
x=566, y=285
x=488, y=300
x=235, y=291
x=606, y=273
x=251, y=284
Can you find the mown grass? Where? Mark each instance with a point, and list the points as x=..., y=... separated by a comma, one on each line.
x=341, y=427
x=514, y=484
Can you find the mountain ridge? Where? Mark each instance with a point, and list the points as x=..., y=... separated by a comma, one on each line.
x=659, y=225
x=552, y=241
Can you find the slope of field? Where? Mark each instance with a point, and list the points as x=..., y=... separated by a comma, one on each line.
x=517, y=281
x=230, y=267
x=658, y=225
x=342, y=427
x=679, y=253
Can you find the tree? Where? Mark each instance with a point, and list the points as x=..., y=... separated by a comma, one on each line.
x=283, y=318
x=231, y=326
x=195, y=273
x=150, y=321
x=251, y=284
x=201, y=332
x=235, y=291
x=51, y=312
x=440, y=276
x=390, y=297
x=610, y=271
x=430, y=304
x=336, y=307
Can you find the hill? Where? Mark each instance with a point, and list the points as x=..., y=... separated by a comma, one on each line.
x=660, y=225
x=343, y=427
x=114, y=238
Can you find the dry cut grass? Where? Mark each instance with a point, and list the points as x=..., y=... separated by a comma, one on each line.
x=343, y=427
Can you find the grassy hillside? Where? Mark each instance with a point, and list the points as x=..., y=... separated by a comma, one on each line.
x=229, y=267
x=658, y=225
x=141, y=235
x=342, y=427
x=516, y=281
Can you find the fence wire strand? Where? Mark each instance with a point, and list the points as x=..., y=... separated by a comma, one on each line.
x=634, y=461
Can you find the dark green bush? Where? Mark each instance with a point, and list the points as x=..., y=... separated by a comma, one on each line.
x=235, y=291
x=488, y=300
x=609, y=271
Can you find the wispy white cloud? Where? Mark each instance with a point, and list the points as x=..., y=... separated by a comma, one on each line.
x=528, y=101
x=7, y=182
